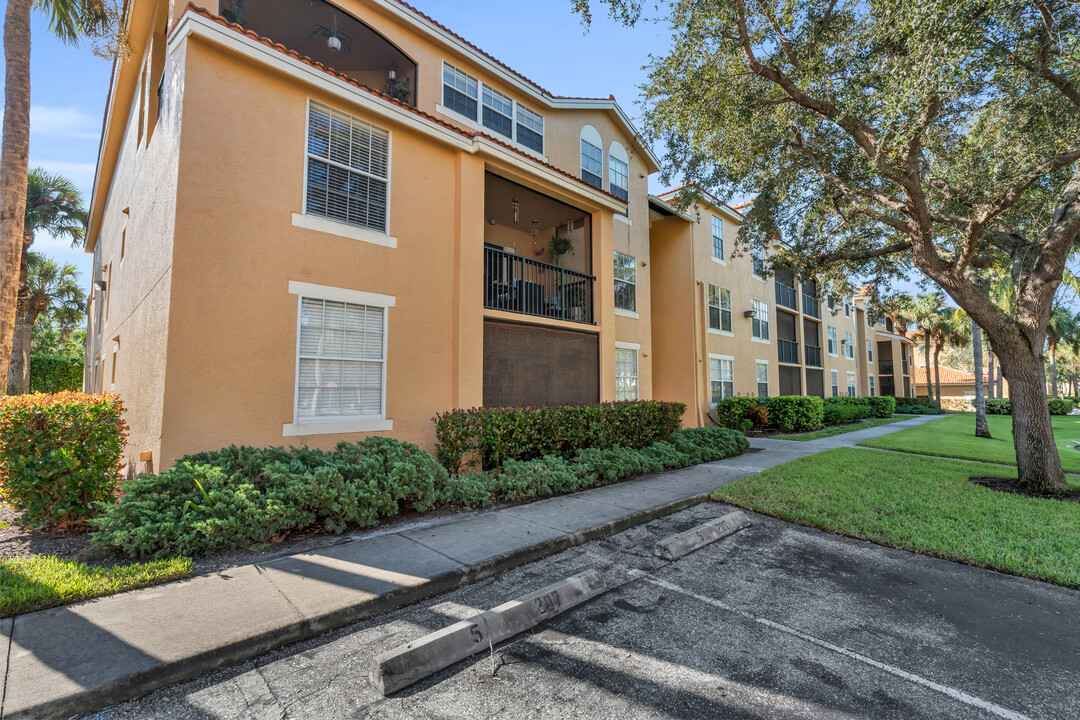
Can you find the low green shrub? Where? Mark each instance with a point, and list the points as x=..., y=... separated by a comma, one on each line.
x=840, y=413
x=242, y=496
x=733, y=411
x=55, y=372
x=1060, y=406
x=918, y=410
x=796, y=413
x=998, y=406
x=496, y=435
x=914, y=401
x=60, y=455
x=881, y=406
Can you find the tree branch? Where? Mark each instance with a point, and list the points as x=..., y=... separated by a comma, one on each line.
x=1009, y=197
x=844, y=256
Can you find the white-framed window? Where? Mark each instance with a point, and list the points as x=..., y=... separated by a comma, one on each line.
x=851, y=384
x=759, y=260
x=461, y=91
x=831, y=340
x=341, y=360
x=592, y=157
x=625, y=281
x=721, y=377
x=618, y=172
x=498, y=112
x=760, y=323
x=717, y=238
x=762, y=368
x=870, y=351
x=873, y=386
x=835, y=377
x=348, y=169
x=626, y=372
x=847, y=307
x=530, y=129
x=849, y=346
x=494, y=110
x=719, y=308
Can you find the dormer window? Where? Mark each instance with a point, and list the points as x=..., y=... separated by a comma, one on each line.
x=592, y=157
x=496, y=111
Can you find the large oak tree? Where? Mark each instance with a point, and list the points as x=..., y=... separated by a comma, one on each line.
x=879, y=134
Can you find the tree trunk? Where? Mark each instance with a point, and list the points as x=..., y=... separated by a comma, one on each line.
x=982, y=428
x=24, y=333
x=990, y=374
x=1053, y=369
x=1000, y=382
x=937, y=373
x=1037, y=459
x=14, y=163
x=926, y=352
x=15, y=368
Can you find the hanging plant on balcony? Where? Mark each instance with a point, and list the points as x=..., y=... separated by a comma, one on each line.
x=337, y=40
x=559, y=246
x=399, y=89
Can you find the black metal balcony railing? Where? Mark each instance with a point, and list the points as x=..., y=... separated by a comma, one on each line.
x=523, y=285
x=885, y=368
x=813, y=356
x=810, y=305
x=789, y=351
x=785, y=296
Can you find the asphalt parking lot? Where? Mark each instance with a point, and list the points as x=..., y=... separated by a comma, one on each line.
x=776, y=621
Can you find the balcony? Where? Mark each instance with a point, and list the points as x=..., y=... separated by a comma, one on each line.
x=810, y=306
x=785, y=296
x=885, y=368
x=813, y=356
x=789, y=351
x=522, y=285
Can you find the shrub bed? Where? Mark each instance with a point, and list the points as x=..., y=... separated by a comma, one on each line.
x=918, y=410
x=800, y=413
x=60, y=454
x=1003, y=406
x=239, y=497
x=494, y=436
x=55, y=372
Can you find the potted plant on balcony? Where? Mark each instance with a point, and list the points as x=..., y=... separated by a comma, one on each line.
x=559, y=246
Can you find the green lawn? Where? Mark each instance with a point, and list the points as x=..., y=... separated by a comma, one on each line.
x=954, y=437
x=841, y=429
x=44, y=581
x=923, y=504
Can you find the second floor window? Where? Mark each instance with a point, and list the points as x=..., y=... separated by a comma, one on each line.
x=530, y=129
x=870, y=351
x=760, y=322
x=717, y=238
x=832, y=340
x=625, y=281
x=498, y=112
x=849, y=346
x=592, y=164
x=461, y=91
x=719, y=308
x=348, y=164
x=759, y=260
x=618, y=174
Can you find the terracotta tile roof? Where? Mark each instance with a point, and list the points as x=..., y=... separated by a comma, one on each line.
x=949, y=376
x=675, y=191
x=192, y=7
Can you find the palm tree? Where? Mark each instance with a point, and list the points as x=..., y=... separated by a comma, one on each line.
x=982, y=427
x=53, y=288
x=1063, y=325
x=53, y=205
x=69, y=20
x=945, y=330
x=925, y=312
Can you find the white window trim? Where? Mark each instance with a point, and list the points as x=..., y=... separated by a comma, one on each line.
x=724, y=333
x=340, y=229
x=473, y=125
x=712, y=237
x=336, y=227
x=767, y=341
x=718, y=261
x=872, y=389
x=622, y=312
x=624, y=219
x=759, y=361
x=731, y=359
x=827, y=339
x=619, y=345
x=315, y=426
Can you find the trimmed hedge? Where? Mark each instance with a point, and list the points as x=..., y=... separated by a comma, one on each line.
x=796, y=413
x=800, y=413
x=1003, y=406
x=918, y=410
x=241, y=496
x=840, y=413
x=914, y=401
x=495, y=435
x=60, y=454
x=50, y=373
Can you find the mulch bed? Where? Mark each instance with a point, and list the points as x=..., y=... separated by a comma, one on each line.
x=1012, y=485
x=17, y=540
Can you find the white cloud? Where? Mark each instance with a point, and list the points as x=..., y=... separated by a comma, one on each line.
x=69, y=122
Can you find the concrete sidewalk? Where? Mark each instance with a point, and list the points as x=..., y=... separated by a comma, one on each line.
x=77, y=659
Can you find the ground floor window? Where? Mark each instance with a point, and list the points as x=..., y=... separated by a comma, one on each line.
x=851, y=384
x=721, y=378
x=762, y=378
x=873, y=389
x=626, y=374
x=341, y=360
x=835, y=383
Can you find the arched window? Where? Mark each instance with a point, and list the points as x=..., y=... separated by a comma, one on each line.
x=618, y=171
x=592, y=157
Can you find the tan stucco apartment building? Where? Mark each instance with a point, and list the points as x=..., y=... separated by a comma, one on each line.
x=317, y=221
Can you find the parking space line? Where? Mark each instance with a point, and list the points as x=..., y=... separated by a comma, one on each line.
x=955, y=694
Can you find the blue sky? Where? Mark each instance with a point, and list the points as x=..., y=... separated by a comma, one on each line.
x=542, y=40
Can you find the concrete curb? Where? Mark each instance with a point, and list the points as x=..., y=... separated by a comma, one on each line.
x=187, y=668
x=410, y=663
x=675, y=546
